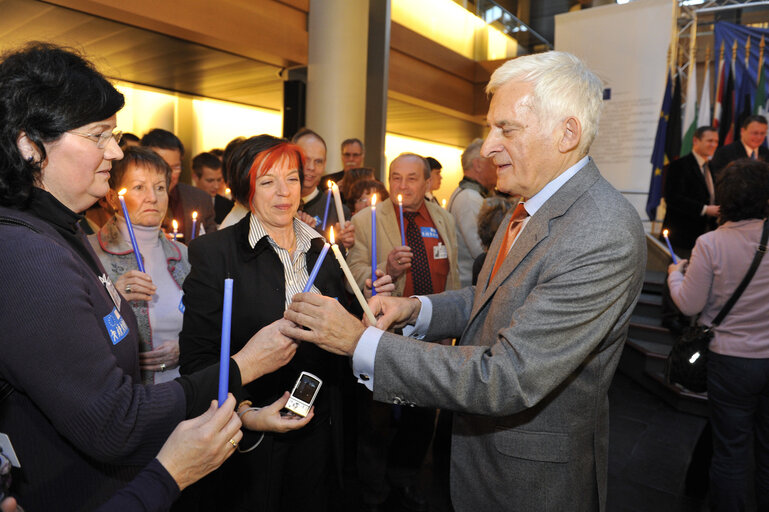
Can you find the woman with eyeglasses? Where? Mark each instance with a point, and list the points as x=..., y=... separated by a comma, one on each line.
x=72, y=403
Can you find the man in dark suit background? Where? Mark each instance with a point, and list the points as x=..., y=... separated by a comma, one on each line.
x=207, y=168
x=750, y=145
x=542, y=333
x=183, y=199
x=689, y=193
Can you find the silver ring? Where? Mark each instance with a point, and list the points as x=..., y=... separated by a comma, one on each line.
x=128, y=288
x=163, y=367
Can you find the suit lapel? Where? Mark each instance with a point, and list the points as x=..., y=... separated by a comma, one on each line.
x=390, y=224
x=536, y=230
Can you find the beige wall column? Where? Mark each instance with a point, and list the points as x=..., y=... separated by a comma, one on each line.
x=336, y=73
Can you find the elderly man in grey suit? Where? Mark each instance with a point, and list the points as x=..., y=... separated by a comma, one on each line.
x=542, y=332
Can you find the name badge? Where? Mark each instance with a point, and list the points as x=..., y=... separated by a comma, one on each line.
x=317, y=221
x=440, y=252
x=113, y=293
x=181, y=305
x=429, y=232
x=116, y=326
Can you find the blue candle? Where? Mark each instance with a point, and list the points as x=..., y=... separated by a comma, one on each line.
x=403, y=231
x=328, y=203
x=316, y=268
x=194, y=224
x=373, y=243
x=670, y=247
x=224, y=359
x=130, y=230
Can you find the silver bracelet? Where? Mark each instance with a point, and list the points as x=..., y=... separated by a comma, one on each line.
x=240, y=415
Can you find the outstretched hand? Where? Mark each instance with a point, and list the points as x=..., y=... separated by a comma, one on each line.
x=328, y=324
x=269, y=419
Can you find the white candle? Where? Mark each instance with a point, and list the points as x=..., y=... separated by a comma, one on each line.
x=338, y=202
x=351, y=280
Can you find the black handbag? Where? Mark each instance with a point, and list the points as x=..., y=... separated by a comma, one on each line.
x=688, y=359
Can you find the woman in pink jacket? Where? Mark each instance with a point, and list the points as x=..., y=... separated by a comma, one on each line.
x=738, y=362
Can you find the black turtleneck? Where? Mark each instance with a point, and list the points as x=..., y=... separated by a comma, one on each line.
x=44, y=205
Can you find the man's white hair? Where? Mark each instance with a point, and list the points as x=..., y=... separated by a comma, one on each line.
x=470, y=153
x=563, y=87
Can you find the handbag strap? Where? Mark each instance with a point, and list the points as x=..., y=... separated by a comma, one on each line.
x=745, y=280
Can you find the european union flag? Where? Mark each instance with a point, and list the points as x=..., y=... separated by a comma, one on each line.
x=658, y=154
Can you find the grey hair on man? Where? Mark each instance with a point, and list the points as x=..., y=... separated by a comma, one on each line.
x=471, y=152
x=563, y=86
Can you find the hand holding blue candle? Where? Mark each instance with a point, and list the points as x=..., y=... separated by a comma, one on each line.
x=670, y=247
x=316, y=268
x=131, y=234
x=224, y=359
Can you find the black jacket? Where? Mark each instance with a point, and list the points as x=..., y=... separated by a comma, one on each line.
x=685, y=194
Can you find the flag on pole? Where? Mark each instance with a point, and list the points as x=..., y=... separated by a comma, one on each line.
x=720, y=84
x=703, y=117
x=658, y=153
x=759, y=103
x=744, y=97
x=673, y=137
x=726, y=123
x=690, y=110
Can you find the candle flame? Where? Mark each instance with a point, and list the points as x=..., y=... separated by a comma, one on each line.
x=194, y=215
x=330, y=183
x=122, y=191
x=175, y=224
x=373, y=201
x=227, y=191
x=665, y=233
x=400, y=199
x=331, y=235
x=443, y=203
x=333, y=185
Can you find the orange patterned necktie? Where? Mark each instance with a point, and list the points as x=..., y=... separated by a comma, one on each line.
x=516, y=223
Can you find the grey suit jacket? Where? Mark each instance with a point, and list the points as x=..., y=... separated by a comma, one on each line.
x=539, y=347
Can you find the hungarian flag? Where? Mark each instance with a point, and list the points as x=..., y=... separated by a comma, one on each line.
x=690, y=110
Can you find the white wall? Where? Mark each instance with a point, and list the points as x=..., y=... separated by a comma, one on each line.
x=626, y=45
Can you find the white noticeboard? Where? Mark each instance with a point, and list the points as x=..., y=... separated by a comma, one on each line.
x=626, y=46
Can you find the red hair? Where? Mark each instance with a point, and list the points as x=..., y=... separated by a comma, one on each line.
x=267, y=159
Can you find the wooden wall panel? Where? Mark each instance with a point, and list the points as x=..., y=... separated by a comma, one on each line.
x=270, y=31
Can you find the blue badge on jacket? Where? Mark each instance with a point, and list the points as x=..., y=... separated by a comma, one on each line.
x=181, y=305
x=317, y=221
x=429, y=232
x=116, y=326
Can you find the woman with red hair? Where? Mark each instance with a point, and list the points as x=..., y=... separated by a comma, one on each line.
x=269, y=255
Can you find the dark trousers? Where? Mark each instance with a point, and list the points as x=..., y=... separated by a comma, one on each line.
x=390, y=449
x=738, y=392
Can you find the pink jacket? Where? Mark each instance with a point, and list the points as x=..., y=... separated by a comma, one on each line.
x=719, y=261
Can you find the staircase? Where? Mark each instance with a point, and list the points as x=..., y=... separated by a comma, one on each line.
x=647, y=347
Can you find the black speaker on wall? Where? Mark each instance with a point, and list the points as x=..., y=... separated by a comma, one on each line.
x=294, y=96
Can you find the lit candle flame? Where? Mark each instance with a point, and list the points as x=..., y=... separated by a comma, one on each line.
x=331, y=235
x=175, y=225
x=443, y=203
x=373, y=201
x=330, y=183
x=400, y=199
x=227, y=191
x=665, y=233
x=194, y=215
x=122, y=191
